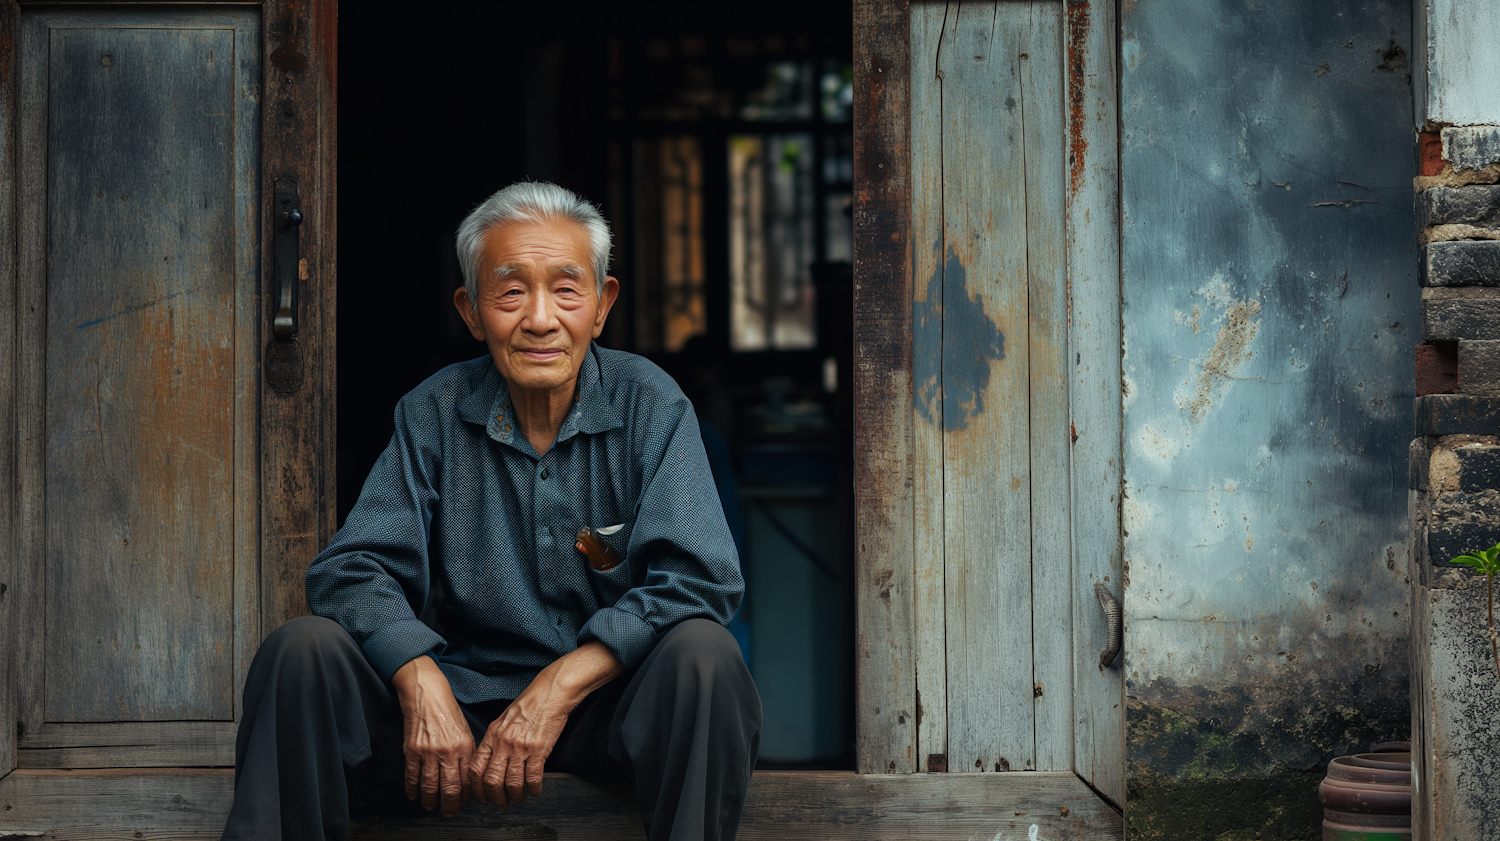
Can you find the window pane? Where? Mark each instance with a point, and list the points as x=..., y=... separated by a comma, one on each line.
x=670, y=265
x=682, y=240
x=771, y=242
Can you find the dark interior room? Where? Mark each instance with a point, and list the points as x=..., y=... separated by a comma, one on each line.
x=716, y=138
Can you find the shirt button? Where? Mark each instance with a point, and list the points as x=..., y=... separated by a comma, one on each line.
x=545, y=473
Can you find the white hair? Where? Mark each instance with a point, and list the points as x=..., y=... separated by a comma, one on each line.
x=536, y=202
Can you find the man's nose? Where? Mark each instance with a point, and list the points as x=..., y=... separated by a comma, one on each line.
x=541, y=314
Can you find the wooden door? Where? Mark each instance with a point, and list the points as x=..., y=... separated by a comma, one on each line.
x=988, y=390
x=172, y=469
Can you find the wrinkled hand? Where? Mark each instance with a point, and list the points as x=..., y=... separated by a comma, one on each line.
x=507, y=766
x=437, y=740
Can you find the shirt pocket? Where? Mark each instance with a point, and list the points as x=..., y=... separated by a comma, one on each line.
x=610, y=586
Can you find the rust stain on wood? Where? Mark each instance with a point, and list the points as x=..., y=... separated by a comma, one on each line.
x=1079, y=21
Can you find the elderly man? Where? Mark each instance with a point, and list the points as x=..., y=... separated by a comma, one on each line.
x=463, y=640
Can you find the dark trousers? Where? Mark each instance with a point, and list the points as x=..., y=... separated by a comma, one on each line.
x=684, y=725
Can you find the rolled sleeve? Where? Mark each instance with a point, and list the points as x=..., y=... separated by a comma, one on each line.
x=627, y=636
x=399, y=643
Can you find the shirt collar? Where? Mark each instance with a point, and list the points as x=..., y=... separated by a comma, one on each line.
x=593, y=411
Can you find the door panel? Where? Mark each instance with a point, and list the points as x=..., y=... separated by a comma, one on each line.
x=1015, y=374
x=140, y=244
x=140, y=384
x=1095, y=383
x=990, y=375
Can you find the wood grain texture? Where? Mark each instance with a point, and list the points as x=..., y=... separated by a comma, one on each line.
x=246, y=508
x=781, y=805
x=164, y=804
x=1047, y=280
x=141, y=295
x=10, y=20
x=931, y=644
x=295, y=456
x=133, y=744
x=884, y=568
x=31, y=429
x=134, y=329
x=1093, y=230
x=986, y=462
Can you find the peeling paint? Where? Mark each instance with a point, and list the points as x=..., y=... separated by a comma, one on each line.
x=1078, y=145
x=1230, y=351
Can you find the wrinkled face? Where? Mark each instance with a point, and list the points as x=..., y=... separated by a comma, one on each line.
x=538, y=305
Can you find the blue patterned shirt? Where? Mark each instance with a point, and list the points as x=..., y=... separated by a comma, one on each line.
x=461, y=545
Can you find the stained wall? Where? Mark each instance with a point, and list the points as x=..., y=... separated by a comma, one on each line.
x=1269, y=258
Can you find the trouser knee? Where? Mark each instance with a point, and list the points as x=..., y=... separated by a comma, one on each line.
x=701, y=653
x=301, y=647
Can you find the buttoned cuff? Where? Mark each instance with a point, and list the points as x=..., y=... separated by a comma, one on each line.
x=627, y=636
x=399, y=643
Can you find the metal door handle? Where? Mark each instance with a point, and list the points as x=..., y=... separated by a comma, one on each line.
x=288, y=265
x=1113, y=619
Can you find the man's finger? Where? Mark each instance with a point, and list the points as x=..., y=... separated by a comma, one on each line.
x=494, y=782
x=413, y=774
x=534, y=767
x=451, y=785
x=515, y=780
x=429, y=784
x=479, y=762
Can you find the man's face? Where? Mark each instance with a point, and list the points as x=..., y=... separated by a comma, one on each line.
x=538, y=307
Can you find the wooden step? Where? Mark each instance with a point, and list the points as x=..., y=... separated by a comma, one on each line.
x=191, y=803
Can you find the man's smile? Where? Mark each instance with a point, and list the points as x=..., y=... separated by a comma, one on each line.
x=541, y=355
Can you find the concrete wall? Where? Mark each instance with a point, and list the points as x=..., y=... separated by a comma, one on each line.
x=1269, y=262
x=1457, y=78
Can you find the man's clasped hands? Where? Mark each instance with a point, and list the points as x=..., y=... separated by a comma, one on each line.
x=444, y=767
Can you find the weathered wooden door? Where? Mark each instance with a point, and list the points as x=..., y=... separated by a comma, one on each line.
x=171, y=460
x=987, y=331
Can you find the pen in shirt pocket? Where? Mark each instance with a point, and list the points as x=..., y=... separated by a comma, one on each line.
x=602, y=556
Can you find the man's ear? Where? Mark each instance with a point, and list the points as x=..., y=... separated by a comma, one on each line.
x=611, y=292
x=468, y=313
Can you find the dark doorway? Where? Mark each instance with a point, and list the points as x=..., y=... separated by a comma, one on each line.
x=717, y=140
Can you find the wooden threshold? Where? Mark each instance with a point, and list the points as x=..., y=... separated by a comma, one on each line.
x=187, y=803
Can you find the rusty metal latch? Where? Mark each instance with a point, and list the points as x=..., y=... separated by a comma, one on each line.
x=1113, y=620
x=287, y=264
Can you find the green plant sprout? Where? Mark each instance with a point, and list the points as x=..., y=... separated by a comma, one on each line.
x=1487, y=561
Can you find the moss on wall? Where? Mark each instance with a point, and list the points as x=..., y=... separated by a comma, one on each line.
x=1244, y=762
x=1283, y=807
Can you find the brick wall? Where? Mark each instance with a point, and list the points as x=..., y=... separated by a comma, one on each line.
x=1455, y=483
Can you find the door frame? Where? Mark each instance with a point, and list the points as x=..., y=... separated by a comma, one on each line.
x=295, y=434
x=888, y=567
x=297, y=465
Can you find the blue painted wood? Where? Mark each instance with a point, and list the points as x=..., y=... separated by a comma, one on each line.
x=985, y=373
x=1050, y=437
x=997, y=213
x=931, y=643
x=1094, y=378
